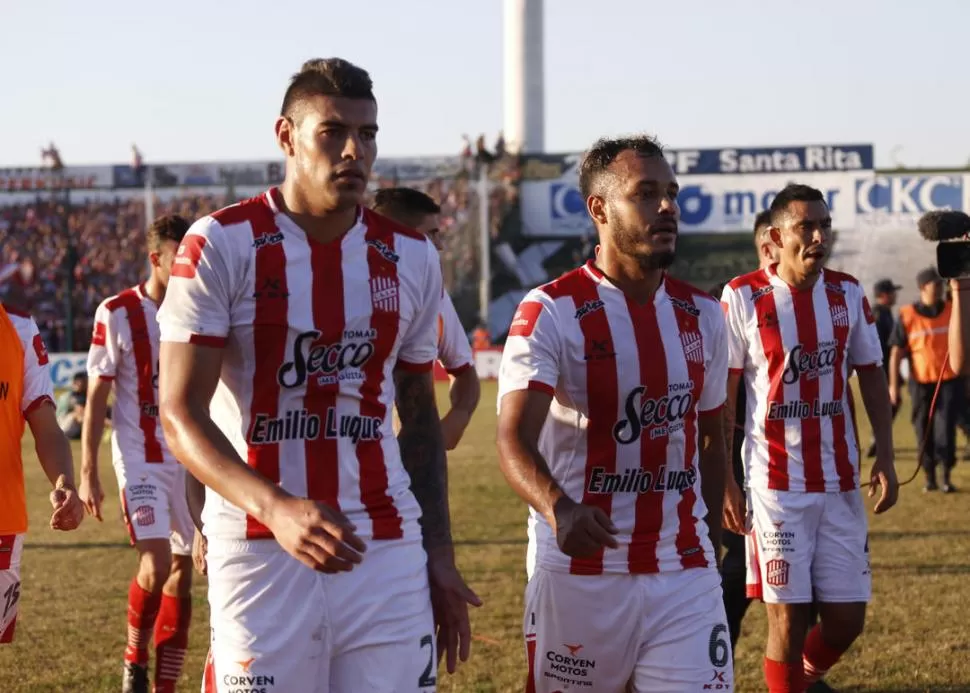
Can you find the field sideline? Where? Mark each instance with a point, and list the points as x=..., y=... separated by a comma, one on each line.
x=70, y=635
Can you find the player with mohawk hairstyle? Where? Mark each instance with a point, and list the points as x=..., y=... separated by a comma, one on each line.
x=294, y=321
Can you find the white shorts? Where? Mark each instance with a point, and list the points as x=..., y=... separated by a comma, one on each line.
x=11, y=548
x=805, y=546
x=280, y=626
x=661, y=632
x=154, y=505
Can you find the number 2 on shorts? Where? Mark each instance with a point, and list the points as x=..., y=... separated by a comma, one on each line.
x=428, y=678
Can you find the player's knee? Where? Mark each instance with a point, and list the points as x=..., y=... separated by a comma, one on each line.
x=153, y=569
x=842, y=624
x=787, y=622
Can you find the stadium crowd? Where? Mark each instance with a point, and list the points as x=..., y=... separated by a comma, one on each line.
x=109, y=239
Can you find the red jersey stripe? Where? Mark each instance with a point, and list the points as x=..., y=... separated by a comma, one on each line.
x=270, y=328
x=141, y=345
x=803, y=303
x=603, y=389
x=653, y=451
x=770, y=333
x=688, y=542
x=327, y=297
x=385, y=321
x=840, y=330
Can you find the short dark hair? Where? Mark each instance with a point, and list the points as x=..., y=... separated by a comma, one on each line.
x=604, y=151
x=793, y=192
x=326, y=77
x=170, y=227
x=405, y=205
x=762, y=221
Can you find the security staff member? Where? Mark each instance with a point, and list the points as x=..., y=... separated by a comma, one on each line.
x=921, y=334
x=882, y=310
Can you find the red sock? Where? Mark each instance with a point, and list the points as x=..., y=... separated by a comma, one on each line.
x=171, y=641
x=818, y=656
x=784, y=677
x=142, y=610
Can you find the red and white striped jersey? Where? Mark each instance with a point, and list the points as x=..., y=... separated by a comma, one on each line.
x=628, y=383
x=454, y=351
x=312, y=333
x=124, y=349
x=795, y=349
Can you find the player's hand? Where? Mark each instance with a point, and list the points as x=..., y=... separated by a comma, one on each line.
x=68, y=509
x=453, y=427
x=582, y=530
x=315, y=534
x=883, y=476
x=894, y=395
x=450, y=597
x=91, y=493
x=733, y=516
x=199, y=548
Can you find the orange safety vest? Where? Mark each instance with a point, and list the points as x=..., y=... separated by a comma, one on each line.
x=927, y=343
x=480, y=339
x=13, y=500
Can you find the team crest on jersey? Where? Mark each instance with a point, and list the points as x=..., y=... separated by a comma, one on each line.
x=761, y=293
x=384, y=294
x=840, y=316
x=693, y=345
x=385, y=251
x=588, y=307
x=685, y=306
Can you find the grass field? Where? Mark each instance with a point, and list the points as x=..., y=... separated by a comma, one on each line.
x=71, y=631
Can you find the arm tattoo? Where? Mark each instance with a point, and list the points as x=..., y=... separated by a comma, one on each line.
x=423, y=454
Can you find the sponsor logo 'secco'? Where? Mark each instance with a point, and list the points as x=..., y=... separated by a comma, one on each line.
x=663, y=415
x=811, y=364
x=327, y=360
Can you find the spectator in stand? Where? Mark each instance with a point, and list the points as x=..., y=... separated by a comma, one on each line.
x=109, y=238
x=70, y=407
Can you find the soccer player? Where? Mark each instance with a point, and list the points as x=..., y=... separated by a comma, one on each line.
x=417, y=210
x=302, y=317
x=795, y=329
x=27, y=399
x=610, y=428
x=124, y=357
x=734, y=563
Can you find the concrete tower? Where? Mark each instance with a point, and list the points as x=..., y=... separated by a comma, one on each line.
x=524, y=86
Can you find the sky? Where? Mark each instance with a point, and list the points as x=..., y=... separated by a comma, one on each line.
x=203, y=80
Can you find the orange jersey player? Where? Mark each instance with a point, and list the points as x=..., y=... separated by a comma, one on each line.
x=26, y=397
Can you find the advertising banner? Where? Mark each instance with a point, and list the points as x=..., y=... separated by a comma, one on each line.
x=721, y=190
x=899, y=200
x=40, y=178
x=64, y=366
